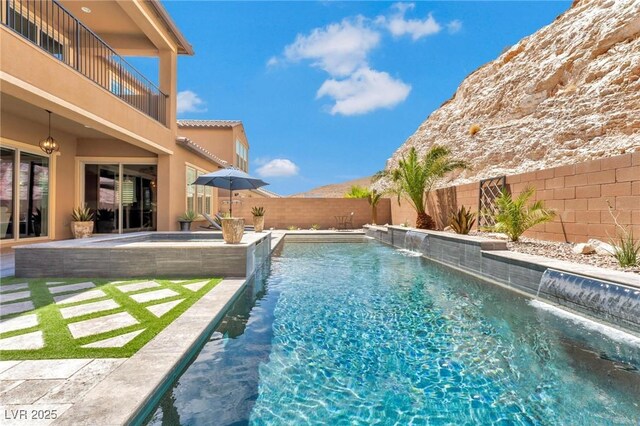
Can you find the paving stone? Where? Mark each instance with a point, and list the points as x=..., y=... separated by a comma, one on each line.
x=114, y=342
x=44, y=369
x=162, y=308
x=128, y=288
x=18, y=323
x=178, y=281
x=22, y=341
x=154, y=295
x=71, y=287
x=5, y=365
x=79, y=297
x=88, y=308
x=13, y=287
x=15, y=308
x=196, y=286
x=101, y=324
x=6, y=385
x=29, y=391
x=74, y=388
x=55, y=282
x=9, y=297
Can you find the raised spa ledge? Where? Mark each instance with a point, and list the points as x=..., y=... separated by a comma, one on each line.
x=483, y=242
x=619, y=277
x=145, y=254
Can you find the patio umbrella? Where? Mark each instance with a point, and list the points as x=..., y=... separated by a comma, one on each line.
x=231, y=179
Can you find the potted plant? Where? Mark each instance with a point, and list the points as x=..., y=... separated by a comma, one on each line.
x=258, y=218
x=232, y=229
x=104, y=221
x=82, y=222
x=186, y=219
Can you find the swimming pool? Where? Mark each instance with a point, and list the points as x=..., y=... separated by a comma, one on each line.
x=364, y=333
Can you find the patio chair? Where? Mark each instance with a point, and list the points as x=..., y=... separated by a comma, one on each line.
x=212, y=223
x=215, y=223
x=348, y=223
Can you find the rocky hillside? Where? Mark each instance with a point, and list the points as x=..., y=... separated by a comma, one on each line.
x=568, y=93
x=335, y=190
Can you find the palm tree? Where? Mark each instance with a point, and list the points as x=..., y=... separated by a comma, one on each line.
x=357, y=191
x=513, y=217
x=374, y=198
x=414, y=178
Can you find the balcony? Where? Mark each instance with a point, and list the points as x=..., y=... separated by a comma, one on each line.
x=49, y=26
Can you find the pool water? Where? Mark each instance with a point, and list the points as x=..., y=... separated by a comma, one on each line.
x=366, y=334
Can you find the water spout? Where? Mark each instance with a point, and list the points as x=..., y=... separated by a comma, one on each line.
x=605, y=300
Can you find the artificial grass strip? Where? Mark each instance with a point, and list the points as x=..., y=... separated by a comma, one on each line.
x=60, y=344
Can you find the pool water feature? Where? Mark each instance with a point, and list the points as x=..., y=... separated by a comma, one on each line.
x=362, y=333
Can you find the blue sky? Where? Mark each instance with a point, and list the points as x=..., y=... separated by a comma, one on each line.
x=328, y=91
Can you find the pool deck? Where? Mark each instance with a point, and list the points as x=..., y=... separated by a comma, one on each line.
x=112, y=391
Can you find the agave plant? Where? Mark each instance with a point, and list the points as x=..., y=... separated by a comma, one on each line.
x=514, y=216
x=414, y=178
x=462, y=221
x=626, y=247
x=257, y=211
x=82, y=214
x=188, y=216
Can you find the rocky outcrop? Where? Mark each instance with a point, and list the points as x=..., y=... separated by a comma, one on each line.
x=566, y=94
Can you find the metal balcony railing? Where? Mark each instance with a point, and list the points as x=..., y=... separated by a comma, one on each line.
x=48, y=25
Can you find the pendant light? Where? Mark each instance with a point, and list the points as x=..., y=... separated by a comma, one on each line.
x=49, y=145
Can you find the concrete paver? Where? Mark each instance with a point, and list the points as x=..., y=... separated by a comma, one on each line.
x=114, y=342
x=88, y=308
x=9, y=297
x=18, y=323
x=196, y=286
x=22, y=342
x=101, y=324
x=71, y=287
x=42, y=369
x=153, y=295
x=128, y=288
x=79, y=297
x=13, y=287
x=162, y=308
x=29, y=391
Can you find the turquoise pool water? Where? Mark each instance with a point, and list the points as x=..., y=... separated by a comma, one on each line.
x=366, y=334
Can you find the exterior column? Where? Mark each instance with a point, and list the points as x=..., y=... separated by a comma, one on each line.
x=164, y=213
x=169, y=85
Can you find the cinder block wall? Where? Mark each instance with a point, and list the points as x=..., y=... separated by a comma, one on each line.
x=305, y=212
x=578, y=192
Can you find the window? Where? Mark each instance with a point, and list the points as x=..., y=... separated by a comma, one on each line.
x=199, y=197
x=242, y=156
x=24, y=194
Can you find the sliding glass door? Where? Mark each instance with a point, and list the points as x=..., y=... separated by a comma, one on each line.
x=24, y=194
x=122, y=195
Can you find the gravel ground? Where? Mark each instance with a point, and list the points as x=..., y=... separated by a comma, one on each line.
x=562, y=251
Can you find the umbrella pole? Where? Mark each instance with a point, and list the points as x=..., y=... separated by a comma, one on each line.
x=230, y=201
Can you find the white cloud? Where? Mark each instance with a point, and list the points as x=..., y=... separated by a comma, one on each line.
x=189, y=101
x=398, y=25
x=338, y=48
x=342, y=50
x=364, y=91
x=454, y=26
x=279, y=167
